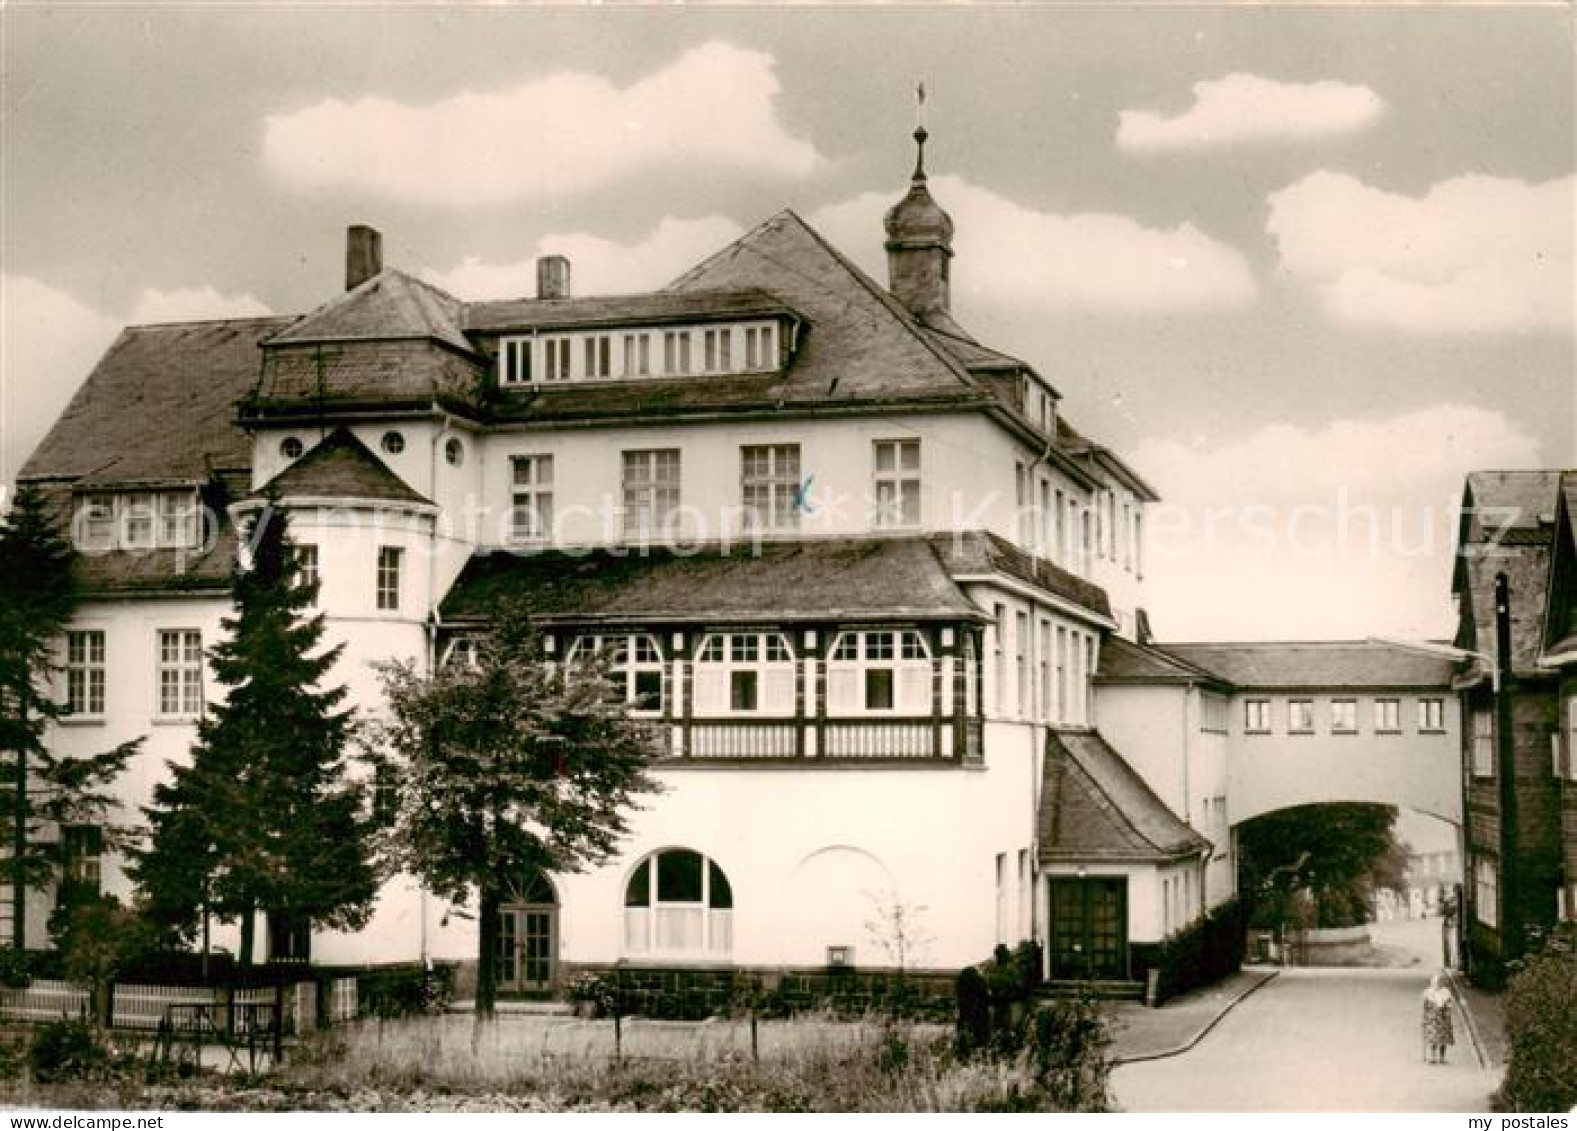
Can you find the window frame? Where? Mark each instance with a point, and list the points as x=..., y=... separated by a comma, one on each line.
x=1394, y=725
x=716, y=910
x=1260, y=707
x=761, y=653
x=1293, y=707
x=389, y=579
x=896, y=481
x=650, y=493
x=81, y=667
x=533, y=494
x=1344, y=716
x=627, y=663
x=186, y=668
x=779, y=483
x=1427, y=705
x=893, y=652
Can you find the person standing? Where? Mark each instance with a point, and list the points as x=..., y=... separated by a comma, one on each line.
x=1438, y=1034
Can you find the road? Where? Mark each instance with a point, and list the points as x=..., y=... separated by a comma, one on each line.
x=1315, y=1040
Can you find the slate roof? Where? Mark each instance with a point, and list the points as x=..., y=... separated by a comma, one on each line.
x=1094, y=807
x=159, y=406
x=341, y=467
x=814, y=580
x=1124, y=662
x=391, y=304
x=1316, y=664
x=625, y=310
x=975, y=552
x=1507, y=526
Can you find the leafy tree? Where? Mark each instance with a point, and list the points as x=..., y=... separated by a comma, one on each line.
x=265, y=817
x=41, y=792
x=1339, y=852
x=507, y=766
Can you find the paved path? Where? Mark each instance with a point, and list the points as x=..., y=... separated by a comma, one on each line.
x=1315, y=1040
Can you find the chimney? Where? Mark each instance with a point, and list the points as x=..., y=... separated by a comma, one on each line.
x=363, y=254
x=553, y=277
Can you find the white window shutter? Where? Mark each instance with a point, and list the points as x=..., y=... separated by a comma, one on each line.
x=711, y=690
x=914, y=689
x=843, y=690
x=777, y=689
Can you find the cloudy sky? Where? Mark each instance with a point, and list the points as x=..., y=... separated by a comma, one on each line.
x=1304, y=268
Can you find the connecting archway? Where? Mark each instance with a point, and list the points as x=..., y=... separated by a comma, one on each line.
x=1424, y=775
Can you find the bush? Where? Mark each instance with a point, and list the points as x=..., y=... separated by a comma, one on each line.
x=1205, y=952
x=405, y=991
x=16, y=969
x=1541, y=1027
x=67, y=1050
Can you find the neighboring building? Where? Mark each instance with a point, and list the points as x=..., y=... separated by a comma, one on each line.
x=1519, y=703
x=855, y=563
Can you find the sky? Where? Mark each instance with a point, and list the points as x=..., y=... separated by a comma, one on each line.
x=1302, y=267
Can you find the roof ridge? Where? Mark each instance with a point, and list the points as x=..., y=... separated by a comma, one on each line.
x=182, y=322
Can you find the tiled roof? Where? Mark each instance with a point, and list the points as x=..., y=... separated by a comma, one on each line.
x=1511, y=500
x=860, y=343
x=1316, y=664
x=1094, y=807
x=160, y=405
x=147, y=572
x=391, y=304
x=970, y=553
x=813, y=580
x=1123, y=661
x=971, y=354
x=612, y=310
x=384, y=372
x=341, y=467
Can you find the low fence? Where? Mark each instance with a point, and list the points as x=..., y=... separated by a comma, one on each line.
x=44, y=999
x=147, y=1007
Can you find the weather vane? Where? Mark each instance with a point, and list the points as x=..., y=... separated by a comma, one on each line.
x=919, y=130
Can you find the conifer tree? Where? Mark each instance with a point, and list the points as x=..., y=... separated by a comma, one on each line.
x=41, y=793
x=507, y=766
x=266, y=816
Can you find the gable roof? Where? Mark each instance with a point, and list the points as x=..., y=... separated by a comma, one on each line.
x=389, y=306
x=1507, y=527
x=158, y=406
x=1560, y=618
x=340, y=467
x=1316, y=664
x=1124, y=662
x=844, y=579
x=1094, y=807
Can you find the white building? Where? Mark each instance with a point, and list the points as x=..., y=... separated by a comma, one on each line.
x=856, y=563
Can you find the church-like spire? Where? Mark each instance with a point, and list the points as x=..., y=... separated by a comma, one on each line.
x=919, y=237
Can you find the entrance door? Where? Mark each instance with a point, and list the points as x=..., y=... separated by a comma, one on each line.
x=528, y=939
x=1089, y=927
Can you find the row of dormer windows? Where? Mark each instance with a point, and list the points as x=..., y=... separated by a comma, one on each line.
x=138, y=520
x=552, y=358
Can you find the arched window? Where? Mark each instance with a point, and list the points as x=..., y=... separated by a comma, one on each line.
x=878, y=672
x=744, y=673
x=678, y=904
x=635, y=665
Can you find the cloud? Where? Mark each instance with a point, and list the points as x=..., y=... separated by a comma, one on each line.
x=1242, y=108
x=711, y=109
x=1345, y=530
x=1473, y=255
x=1012, y=258
x=599, y=266
x=50, y=340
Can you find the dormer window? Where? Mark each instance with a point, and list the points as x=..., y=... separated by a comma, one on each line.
x=608, y=355
x=137, y=520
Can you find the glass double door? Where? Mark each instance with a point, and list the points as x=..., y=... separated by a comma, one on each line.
x=528, y=948
x=1089, y=927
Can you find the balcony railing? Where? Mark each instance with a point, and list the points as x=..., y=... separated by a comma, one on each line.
x=868, y=739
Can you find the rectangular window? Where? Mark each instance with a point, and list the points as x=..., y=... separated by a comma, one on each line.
x=514, y=361
x=1432, y=715
x=599, y=360
x=1300, y=716
x=999, y=661
x=1344, y=716
x=1063, y=661
x=1388, y=716
x=531, y=519
x=769, y=485
x=390, y=559
x=1213, y=713
x=1486, y=892
x=759, y=354
x=556, y=359
x=743, y=690
x=96, y=523
x=180, y=672
x=1049, y=708
x=81, y=859
x=85, y=673
x=1048, y=534
x=896, y=483
x=305, y=557
x=651, y=491
x=1571, y=738
x=138, y=513
x=1002, y=897
x=676, y=351
x=1483, y=743
x=1021, y=642
x=1026, y=927
x=1256, y=716
x=177, y=519
x=1059, y=543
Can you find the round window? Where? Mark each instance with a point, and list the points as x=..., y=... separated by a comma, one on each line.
x=290, y=447
x=393, y=443
x=454, y=452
